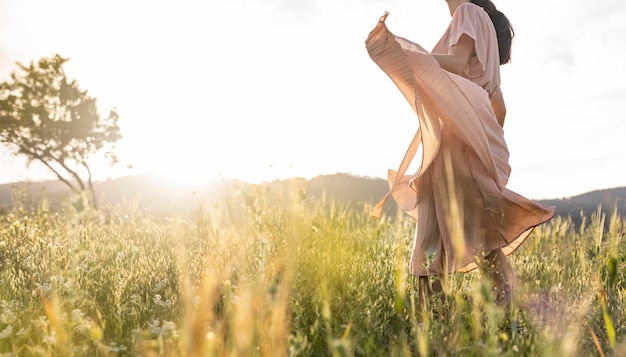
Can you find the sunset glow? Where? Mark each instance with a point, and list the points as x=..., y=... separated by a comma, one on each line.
x=260, y=90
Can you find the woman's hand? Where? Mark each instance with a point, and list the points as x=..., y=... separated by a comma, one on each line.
x=497, y=103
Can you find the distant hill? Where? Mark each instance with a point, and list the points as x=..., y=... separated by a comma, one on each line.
x=161, y=197
x=363, y=189
x=354, y=191
x=608, y=200
x=146, y=191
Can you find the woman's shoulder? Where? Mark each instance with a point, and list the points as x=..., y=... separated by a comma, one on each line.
x=469, y=9
x=471, y=19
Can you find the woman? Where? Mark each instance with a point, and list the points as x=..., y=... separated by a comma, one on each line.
x=466, y=217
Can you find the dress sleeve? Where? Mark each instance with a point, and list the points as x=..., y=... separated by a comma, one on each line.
x=469, y=19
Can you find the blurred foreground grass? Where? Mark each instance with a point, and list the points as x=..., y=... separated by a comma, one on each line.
x=279, y=274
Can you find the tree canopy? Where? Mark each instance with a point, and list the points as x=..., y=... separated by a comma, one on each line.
x=47, y=117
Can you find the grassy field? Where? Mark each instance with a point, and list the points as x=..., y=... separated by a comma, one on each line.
x=279, y=274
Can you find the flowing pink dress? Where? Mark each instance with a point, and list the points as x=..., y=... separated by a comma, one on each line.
x=457, y=196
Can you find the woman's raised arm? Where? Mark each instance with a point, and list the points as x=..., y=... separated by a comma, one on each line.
x=458, y=55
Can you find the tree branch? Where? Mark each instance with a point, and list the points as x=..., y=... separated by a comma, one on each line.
x=43, y=161
x=90, y=182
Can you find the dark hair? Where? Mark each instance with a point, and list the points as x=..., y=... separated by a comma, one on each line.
x=504, y=29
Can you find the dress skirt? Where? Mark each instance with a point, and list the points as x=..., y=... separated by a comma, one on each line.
x=463, y=210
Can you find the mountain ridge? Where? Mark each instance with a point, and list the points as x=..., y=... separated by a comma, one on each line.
x=355, y=191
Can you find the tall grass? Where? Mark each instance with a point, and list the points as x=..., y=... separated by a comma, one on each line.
x=263, y=273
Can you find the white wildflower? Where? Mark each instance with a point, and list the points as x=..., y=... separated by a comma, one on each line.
x=8, y=313
x=50, y=339
x=154, y=326
x=45, y=287
x=77, y=315
x=115, y=348
x=22, y=332
x=6, y=332
x=169, y=326
x=67, y=284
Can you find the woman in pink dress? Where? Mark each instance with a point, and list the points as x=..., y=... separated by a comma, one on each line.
x=466, y=217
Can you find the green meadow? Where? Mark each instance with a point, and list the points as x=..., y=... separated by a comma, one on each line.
x=261, y=273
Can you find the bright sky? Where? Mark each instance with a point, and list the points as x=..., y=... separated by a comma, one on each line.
x=264, y=89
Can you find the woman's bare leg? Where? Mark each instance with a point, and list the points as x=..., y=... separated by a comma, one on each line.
x=500, y=271
x=426, y=290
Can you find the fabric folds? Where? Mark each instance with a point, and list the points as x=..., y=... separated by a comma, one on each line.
x=457, y=196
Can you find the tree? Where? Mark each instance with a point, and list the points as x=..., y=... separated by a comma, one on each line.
x=48, y=118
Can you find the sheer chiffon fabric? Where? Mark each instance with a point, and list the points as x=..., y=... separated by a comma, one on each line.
x=457, y=196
